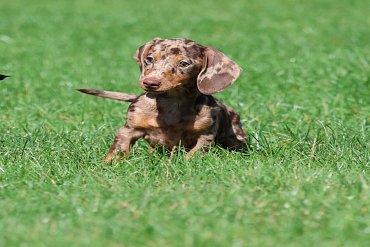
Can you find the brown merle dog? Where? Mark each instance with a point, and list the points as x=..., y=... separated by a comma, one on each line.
x=177, y=108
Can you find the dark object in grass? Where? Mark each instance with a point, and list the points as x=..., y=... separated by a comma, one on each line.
x=177, y=108
x=2, y=77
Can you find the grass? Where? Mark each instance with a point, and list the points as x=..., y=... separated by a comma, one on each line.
x=304, y=93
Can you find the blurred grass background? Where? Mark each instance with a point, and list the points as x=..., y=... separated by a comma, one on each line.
x=305, y=83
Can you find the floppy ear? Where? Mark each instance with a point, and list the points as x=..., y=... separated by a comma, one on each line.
x=218, y=72
x=141, y=50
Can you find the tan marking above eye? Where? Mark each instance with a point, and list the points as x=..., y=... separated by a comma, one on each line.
x=157, y=56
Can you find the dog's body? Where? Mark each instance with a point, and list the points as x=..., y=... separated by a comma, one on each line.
x=178, y=75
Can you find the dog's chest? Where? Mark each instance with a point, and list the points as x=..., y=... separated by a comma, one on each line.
x=168, y=124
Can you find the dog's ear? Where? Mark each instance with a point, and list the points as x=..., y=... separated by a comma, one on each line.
x=218, y=72
x=139, y=54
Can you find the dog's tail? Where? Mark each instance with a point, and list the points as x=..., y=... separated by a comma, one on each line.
x=111, y=95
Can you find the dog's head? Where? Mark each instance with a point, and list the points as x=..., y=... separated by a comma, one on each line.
x=175, y=64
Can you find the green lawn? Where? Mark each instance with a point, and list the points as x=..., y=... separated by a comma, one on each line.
x=304, y=94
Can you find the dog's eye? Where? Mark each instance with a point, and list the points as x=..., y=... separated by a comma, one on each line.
x=149, y=60
x=184, y=63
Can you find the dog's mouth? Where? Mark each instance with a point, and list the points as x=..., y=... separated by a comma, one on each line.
x=161, y=88
x=152, y=89
x=156, y=89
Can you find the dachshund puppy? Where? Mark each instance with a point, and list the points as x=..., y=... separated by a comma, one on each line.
x=179, y=77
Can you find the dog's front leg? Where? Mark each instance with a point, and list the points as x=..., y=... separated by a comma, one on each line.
x=124, y=139
x=204, y=141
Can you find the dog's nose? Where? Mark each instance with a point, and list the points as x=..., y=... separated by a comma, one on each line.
x=151, y=83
